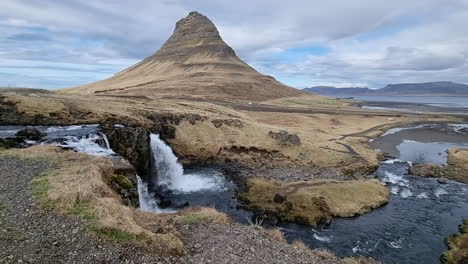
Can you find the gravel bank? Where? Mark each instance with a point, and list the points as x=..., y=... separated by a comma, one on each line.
x=31, y=235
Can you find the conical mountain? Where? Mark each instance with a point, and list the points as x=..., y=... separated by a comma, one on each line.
x=193, y=62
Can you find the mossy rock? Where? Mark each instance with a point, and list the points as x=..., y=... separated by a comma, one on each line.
x=122, y=181
x=458, y=247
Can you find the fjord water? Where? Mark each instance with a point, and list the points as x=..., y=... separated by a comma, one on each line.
x=438, y=101
x=420, y=213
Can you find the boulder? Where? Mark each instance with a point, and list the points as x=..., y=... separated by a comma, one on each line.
x=279, y=198
x=30, y=134
x=133, y=144
x=285, y=138
x=442, y=180
x=426, y=170
x=15, y=142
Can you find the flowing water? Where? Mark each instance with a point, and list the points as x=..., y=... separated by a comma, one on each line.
x=81, y=138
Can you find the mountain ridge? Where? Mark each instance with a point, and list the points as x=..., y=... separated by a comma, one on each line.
x=442, y=88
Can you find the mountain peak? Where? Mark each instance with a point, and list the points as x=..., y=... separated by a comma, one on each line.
x=193, y=34
x=193, y=62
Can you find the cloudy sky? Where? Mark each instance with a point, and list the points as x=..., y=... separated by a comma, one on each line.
x=63, y=43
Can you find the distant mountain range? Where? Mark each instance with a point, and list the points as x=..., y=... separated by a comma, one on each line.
x=404, y=89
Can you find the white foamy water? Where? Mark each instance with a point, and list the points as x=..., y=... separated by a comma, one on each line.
x=171, y=173
x=406, y=193
x=422, y=195
x=398, y=129
x=458, y=127
x=393, y=161
x=322, y=238
x=439, y=191
x=70, y=128
x=166, y=163
x=147, y=201
x=87, y=145
x=395, y=179
x=396, y=243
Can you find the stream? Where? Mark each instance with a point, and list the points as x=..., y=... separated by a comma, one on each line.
x=421, y=212
x=410, y=229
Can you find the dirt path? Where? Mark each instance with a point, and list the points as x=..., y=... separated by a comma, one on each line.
x=31, y=235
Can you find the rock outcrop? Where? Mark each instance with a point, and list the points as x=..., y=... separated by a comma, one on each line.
x=30, y=134
x=457, y=165
x=312, y=202
x=285, y=138
x=426, y=170
x=133, y=144
x=456, y=168
x=193, y=62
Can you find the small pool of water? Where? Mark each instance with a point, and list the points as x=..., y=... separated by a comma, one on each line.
x=422, y=152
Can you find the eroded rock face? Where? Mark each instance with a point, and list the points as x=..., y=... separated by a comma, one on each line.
x=164, y=124
x=285, y=138
x=124, y=182
x=133, y=144
x=228, y=122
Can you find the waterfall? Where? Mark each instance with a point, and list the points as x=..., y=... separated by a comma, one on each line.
x=106, y=141
x=171, y=174
x=165, y=162
x=147, y=201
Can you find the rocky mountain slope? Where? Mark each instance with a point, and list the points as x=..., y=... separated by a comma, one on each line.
x=404, y=89
x=194, y=62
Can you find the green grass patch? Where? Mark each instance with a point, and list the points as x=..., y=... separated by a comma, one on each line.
x=40, y=186
x=13, y=236
x=119, y=235
x=193, y=219
x=83, y=210
x=2, y=207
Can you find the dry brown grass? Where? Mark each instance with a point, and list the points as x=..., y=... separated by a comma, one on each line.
x=203, y=214
x=319, y=132
x=77, y=185
x=275, y=233
x=457, y=165
x=315, y=201
x=311, y=100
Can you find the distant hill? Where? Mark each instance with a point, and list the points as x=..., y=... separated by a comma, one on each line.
x=193, y=62
x=404, y=89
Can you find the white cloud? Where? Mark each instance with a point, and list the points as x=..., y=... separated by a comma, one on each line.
x=371, y=42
